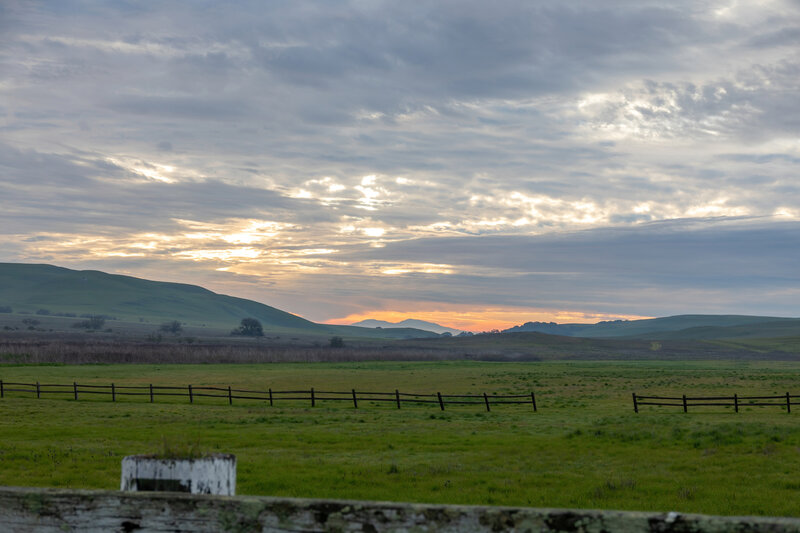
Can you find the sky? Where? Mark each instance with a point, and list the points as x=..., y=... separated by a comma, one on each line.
x=477, y=164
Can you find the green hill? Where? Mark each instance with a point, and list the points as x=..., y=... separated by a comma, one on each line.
x=60, y=290
x=789, y=327
x=687, y=327
x=692, y=324
x=45, y=288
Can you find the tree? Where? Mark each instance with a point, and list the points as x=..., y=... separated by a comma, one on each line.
x=250, y=327
x=171, y=327
x=337, y=342
x=95, y=322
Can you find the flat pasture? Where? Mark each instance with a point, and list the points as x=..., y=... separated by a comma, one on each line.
x=585, y=447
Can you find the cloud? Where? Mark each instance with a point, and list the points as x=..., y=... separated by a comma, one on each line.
x=181, y=107
x=663, y=268
x=448, y=151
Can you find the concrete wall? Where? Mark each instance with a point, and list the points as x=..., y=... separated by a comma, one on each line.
x=52, y=510
x=213, y=474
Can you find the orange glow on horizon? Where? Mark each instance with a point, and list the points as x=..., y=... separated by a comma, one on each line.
x=475, y=320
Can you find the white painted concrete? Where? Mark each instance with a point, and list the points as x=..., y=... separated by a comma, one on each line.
x=214, y=474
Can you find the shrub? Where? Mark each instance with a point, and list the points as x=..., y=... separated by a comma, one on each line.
x=180, y=449
x=171, y=327
x=250, y=327
x=95, y=322
x=337, y=342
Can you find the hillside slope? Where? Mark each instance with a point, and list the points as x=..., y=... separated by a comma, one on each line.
x=654, y=327
x=689, y=327
x=61, y=290
x=35, y=288
x=754, y=330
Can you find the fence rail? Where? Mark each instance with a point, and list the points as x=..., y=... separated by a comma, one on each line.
x=75, y=390
x=782, y=400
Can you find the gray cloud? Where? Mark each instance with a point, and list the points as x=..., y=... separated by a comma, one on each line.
x=705, y=253
x=181, y=107
x=102, y=196
x=494, y=134
x=630, y=270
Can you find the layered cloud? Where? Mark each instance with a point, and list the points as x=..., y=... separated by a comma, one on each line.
x=335, y=160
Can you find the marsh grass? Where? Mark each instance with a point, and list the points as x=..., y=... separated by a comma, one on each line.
x=584, y=448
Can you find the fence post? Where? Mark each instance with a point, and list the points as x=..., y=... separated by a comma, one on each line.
x=397, y=397
x=75, y=389
x=113, y=393
x=441, y=403
x=191, y=395
x=736, y=402
x=486, y=399
x=635, y=405
x=2, y=390
x=684, y=404
x=39, y=395
x=313, y=401
x=788, y=404
x=270, y=397
x=355, y=401
x=151, y=393
x=230, y=396
x=533, y=401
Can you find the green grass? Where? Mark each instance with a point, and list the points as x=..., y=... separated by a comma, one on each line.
x=777, y=344
x=584, y=448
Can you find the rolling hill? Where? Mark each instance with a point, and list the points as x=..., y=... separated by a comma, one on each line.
x=679, y=327
x=407, y=323
x=33, y=288
x=47, y=289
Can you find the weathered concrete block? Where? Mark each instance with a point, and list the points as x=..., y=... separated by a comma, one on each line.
x=31, y=510
x=214, y=474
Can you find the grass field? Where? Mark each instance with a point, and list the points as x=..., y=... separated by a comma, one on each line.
x=584, y=448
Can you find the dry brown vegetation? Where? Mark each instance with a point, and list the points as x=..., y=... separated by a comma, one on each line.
x=142, y=345
x=37, y=351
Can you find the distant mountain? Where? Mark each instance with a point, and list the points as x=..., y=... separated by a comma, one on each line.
x=50, y=289
x=687, y=327
x=407, y=323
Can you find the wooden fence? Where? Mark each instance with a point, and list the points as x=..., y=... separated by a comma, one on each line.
x=735, y=401
x=75, y=390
